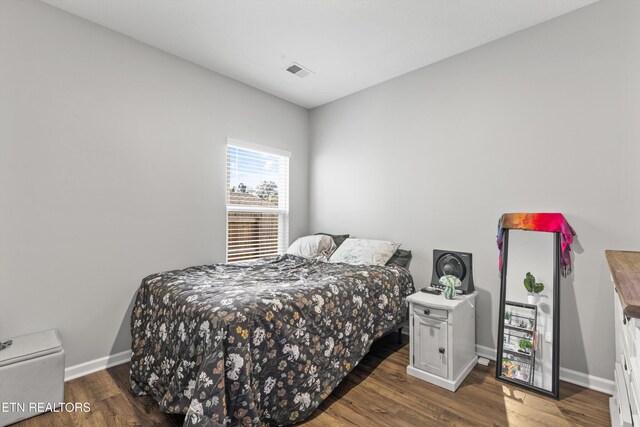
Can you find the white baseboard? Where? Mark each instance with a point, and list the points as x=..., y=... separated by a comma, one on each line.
x=574, y=377
x=486, y=352
x=579, y=378
x=588, y=381
x=96, y=365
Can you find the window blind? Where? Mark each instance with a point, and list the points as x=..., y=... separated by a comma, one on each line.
x=257, y=203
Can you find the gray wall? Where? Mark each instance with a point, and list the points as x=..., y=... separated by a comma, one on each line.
x=112, y=167
x=543, y=120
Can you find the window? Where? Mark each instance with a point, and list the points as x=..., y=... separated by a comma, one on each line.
x=257, y=201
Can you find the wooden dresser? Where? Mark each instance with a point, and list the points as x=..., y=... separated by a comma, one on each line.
x=624, y=406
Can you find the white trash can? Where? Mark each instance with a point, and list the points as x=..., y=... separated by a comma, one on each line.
x=31, y=376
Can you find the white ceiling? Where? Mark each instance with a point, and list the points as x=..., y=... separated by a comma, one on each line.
x=348, y=44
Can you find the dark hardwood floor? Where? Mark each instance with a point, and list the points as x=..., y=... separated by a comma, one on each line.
x=377, y=393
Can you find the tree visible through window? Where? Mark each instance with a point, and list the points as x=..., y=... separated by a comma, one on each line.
x=257, y=203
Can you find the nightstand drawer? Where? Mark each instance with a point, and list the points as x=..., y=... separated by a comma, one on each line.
x=435, y=313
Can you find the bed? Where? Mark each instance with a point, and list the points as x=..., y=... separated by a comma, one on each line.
x=259, y=342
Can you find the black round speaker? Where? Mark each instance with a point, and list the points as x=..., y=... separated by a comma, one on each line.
x=451, y=264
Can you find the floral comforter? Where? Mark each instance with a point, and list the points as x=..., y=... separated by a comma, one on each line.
x=268, y=341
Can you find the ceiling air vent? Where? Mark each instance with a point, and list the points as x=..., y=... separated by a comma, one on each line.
x=298, y=70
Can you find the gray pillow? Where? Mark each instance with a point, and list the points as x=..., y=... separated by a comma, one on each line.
x=338, y=239
x=401, y=257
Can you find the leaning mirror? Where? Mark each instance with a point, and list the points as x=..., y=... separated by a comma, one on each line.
x=528, y=335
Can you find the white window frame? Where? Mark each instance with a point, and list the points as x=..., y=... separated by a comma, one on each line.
x=283, y=202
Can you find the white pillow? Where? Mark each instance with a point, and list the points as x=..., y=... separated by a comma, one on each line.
x=313, y=247
x=364, y=252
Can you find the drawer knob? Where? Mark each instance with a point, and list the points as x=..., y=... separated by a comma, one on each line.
x=441, y=350
x=427, y=311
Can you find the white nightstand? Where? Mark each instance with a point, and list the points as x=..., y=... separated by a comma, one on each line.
x=443, y=338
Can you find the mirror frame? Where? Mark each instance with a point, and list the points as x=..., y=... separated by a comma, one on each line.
x=555, y=369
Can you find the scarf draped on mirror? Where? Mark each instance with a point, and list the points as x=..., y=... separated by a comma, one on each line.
x=549, y=222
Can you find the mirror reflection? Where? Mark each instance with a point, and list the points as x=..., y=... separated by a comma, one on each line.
x=528, y=321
